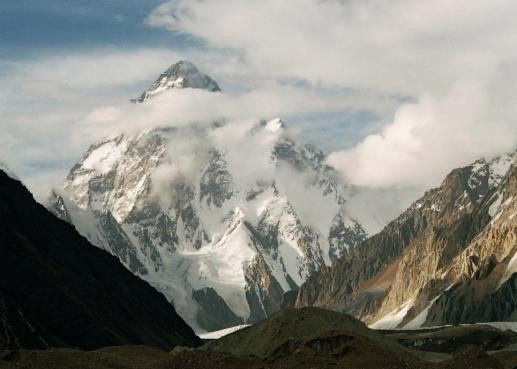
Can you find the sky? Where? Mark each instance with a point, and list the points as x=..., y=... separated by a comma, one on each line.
x=397, y=92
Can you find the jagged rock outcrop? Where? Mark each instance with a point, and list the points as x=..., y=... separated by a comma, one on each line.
x=58, y=290
x=447, y=259
x=225, y=236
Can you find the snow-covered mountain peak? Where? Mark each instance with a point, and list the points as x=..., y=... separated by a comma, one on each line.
x=464, y=187
x=224, y=219
x=485, y=175
x=207, y=225
x=183, y=74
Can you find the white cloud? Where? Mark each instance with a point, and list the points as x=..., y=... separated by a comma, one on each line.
x=456, y=59
x=96, y=69
x=180, y=107
x=401, y=47
x=44, y=98
x=288, y=59
x=429, y=138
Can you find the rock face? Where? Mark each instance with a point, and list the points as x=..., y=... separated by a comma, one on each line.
x=57, y=290
x=183, y=74
x=448, y=259
x=222, y=218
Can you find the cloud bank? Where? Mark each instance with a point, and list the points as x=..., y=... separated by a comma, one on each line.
x=429, y=138
x=454, y=60
x=55, y=106
x=436, y=77
x=401, y=46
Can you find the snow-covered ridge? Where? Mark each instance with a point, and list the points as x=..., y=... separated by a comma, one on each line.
x=223, y=235
x=393, y=318
x=493, y=169
x=483, y=176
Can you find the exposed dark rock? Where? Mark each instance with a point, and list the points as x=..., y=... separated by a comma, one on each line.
x=214, y=314
x=58, y=207
x=216, y=184
x=263, y=292
x=119, y=243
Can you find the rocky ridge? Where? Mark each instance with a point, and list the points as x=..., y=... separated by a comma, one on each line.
x=448, y=259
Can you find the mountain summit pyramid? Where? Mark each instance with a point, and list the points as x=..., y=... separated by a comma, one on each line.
x=183, y=74
x=57, y=290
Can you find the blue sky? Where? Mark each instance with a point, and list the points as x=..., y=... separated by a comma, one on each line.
x=387, y=89
x=33, y=26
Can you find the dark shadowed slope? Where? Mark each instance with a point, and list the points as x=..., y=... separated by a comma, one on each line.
x=56, y=289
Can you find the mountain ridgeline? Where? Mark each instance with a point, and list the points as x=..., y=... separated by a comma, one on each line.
x=232, y=238
x=448, y=259
x=58, y=290
x=183, y=74
x=227, y=237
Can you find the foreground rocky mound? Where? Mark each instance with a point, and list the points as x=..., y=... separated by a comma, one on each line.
x=304, y=338
x=316, y=337
x=450, y=258
x=57, y=290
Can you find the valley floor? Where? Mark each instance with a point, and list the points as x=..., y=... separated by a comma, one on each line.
x=307, y=338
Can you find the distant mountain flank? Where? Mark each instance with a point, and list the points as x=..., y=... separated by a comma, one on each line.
x=58, y=290
x=448, y=259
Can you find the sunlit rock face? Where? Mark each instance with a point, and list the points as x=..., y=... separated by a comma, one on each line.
x=449, y=258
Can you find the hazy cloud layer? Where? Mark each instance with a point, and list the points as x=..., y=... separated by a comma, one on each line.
x=434, y=78
x=399, y=46
x=429, y=138
x=456, y=58
x=55, y=106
